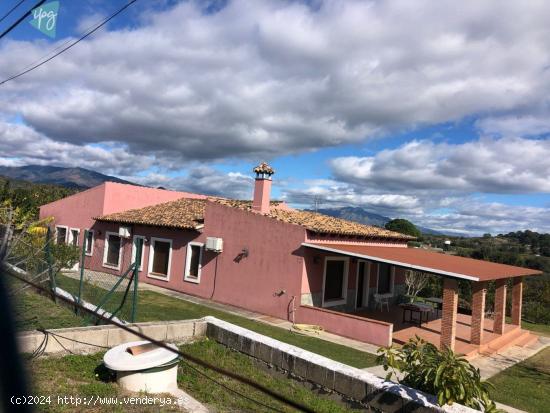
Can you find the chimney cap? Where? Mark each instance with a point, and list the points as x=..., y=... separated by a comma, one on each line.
x=264, y=169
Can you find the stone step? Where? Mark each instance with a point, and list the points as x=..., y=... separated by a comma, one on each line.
x=501, y=342
x=525, y=336
x=527, y=340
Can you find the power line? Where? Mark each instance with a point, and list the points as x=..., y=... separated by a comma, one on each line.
x=105, y=21
x=11, y=10
x=186, y=356
x=23, y=17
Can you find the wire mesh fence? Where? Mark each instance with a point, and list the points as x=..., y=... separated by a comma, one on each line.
x=64, y=261
x=106, y=279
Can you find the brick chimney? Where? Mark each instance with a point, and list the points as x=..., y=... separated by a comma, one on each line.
x=262, y=188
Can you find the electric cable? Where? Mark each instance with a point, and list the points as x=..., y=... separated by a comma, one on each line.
x=64, y=49
x=11, y=10
x=190, y=357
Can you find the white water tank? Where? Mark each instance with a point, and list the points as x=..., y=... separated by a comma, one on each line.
x=155, y=370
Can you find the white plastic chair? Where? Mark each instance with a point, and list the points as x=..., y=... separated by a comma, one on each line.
x=381, y=300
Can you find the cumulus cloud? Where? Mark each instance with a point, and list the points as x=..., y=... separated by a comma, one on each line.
x=204, y=180
x=21, y=145
x=261, y=79
x=505, y=165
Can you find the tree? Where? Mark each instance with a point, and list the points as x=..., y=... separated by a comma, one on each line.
x=403, y=226
x=415, y=281
x=452, y=379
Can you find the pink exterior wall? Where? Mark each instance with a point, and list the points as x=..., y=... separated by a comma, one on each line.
x=347, y=325
x=121, y=197
x=77, y=211
x=274, y=261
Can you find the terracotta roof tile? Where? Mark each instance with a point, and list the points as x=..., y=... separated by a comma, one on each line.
x=188, y=213
x=320, y=223
x=183, y=213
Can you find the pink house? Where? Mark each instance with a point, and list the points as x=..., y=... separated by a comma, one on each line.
x=295, y=265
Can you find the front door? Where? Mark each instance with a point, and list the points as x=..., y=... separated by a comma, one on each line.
x=362, y=284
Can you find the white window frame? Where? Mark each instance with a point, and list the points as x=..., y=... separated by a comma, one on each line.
x=66, y=232
x=142, y=250
x=150, y=272
x=344, y=298
x=89, y=254
x=392, y=279
x=71, y=236
x=106, y=249
x=186, y=276
x=366, y=285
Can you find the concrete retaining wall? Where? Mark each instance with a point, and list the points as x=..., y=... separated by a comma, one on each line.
x=351, y=383
x=109, y=336
x=348, y=381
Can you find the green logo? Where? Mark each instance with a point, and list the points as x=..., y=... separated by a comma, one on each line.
x=45, y=18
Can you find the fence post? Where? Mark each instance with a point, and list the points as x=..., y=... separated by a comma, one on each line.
x=82, y=258
x=137, y=264
x=48, y=253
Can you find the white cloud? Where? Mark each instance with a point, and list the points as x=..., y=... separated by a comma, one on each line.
x=506, y=165
x=204, y=180
x=260, y=79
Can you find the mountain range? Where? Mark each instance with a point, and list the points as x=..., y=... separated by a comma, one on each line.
x=364, y=216
x=76, y=178
x=80, y=178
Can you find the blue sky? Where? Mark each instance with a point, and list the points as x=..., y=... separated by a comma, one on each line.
x=407, y=109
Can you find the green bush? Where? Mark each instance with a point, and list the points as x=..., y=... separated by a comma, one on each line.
x=439, y=372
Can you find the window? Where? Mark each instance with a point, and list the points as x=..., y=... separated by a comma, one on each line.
x=160, y=256
x=89, y=242
x=138, y=239
x=193, y=262
x=335, y=281
x=385, y=278
x=112, y=250
x=73, y=239
x=61, y=234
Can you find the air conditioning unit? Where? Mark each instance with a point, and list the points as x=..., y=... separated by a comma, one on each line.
x=214, y=244
x=124, y=231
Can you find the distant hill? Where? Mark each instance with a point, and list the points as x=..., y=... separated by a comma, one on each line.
x=363, y=216
x=76, y=178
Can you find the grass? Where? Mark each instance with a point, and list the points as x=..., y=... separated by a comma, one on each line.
x=85, y=376
x=79, y=376
x=526, y=385
x=158, y=307
x=540, y=329
x=34, y=311
x=210, y=393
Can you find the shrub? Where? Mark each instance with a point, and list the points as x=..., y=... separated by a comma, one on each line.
x=439, y=372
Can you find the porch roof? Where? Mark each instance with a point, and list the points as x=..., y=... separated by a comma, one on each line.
x=428, y=261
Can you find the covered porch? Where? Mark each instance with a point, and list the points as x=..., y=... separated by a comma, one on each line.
x=464, y=333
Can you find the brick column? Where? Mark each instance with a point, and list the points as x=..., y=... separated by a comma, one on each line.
x=450, y=309
x=500, y=306
x=517, y=297
x=479, y=289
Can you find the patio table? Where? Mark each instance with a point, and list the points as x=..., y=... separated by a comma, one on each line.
x=437, y=301
x=416, y=308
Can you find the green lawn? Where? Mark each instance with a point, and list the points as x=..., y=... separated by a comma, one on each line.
x=79, y=376
x=526, y=385
x=540, y=329
x=34, y=311
x=86, y=377
x=210, y=393
x=153, y=306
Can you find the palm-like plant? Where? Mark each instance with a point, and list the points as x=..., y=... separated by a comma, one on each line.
x=449, y=377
